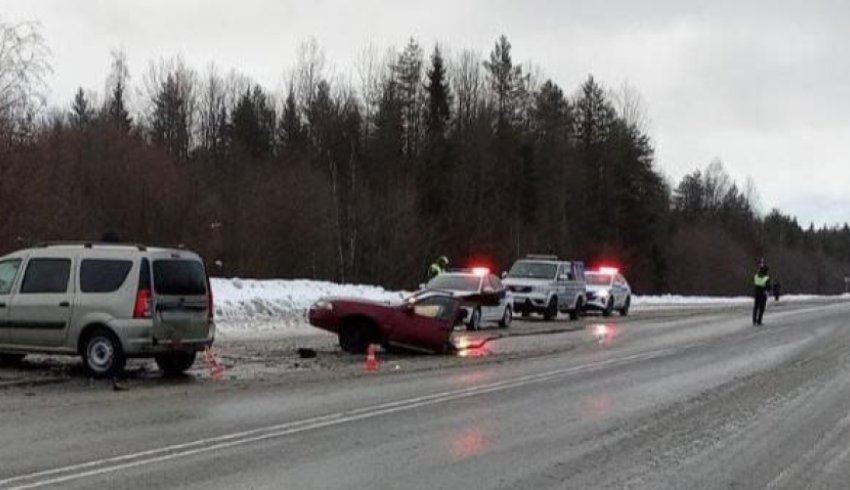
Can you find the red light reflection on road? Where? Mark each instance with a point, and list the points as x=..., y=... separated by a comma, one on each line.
x=604, y=333
x=598, y=406
x=474, y=352
x=469, y=442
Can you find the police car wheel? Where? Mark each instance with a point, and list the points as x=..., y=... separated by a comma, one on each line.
x=474, y=320
x=625, y=310
x=609, y=308
x=507, y=317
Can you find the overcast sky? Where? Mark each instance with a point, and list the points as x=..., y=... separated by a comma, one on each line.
x=764, y=86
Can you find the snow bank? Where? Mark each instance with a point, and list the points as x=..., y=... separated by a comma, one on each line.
x=673, y=301
x=260, y=308
x=245, y=306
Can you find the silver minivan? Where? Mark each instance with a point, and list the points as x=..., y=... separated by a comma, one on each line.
x=106, y=303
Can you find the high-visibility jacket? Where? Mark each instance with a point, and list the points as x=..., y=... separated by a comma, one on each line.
x=435, y=270
x=761, y=283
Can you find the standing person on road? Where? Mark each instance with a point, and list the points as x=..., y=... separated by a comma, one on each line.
x=438, y=267
x=761, y=289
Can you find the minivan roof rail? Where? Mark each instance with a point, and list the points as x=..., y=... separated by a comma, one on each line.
x=541, y=257
x=91, y=244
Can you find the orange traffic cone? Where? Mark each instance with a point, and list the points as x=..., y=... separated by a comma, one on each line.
x=371, y=359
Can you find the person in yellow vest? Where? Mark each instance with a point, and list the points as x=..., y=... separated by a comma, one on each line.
x=761, y=289
x=438, y=267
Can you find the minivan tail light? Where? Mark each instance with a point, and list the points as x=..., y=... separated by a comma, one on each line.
x=142, y=308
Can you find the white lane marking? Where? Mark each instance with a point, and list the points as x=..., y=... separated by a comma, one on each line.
x=151, y=456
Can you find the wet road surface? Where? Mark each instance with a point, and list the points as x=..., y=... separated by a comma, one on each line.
x=697, y=399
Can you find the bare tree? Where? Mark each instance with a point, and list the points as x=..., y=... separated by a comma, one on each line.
x=24, y=62
x=212, y=110
x=468, y=84
x=309, y=70
x=631, y=107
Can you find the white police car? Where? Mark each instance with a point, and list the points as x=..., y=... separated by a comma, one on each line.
x=607, y=291
x=484, y=297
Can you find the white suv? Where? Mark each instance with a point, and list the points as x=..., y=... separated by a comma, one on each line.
x=544, y=284
x=107, y=303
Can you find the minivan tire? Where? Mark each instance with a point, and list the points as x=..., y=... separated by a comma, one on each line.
x=102, y=353
x=175, y=363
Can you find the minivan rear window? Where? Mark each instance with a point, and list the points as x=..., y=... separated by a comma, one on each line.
x=179, y=278
x=103, y=276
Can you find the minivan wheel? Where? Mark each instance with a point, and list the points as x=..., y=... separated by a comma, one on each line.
x=11, y=359
x=102, y=354
x=175, y=363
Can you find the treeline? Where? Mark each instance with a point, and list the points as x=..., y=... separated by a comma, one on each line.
x=367, y=176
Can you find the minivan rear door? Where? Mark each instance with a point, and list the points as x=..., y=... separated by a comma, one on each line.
x=180, y=298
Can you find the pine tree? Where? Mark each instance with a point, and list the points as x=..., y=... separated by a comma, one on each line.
x=253, y=125
x=439, y=96
x=116, y=111
x=170, y=119
x=408, y=77
x=507, y=83
x=82, y=114
x=291, y=130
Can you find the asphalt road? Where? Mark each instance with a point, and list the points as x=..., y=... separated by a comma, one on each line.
x=698, y=399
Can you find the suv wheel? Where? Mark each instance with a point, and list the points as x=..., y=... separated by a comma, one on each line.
x=507, y=318
x=624, y=311
x=577, y=311
x=174, y=363
x=102, y=353
x=11, y=359
x=551, y=310
x=474, y=320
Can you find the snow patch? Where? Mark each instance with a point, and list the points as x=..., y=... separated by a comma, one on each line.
x=247, y=307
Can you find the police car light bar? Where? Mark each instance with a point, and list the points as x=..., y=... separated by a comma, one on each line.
x=480, y=271
x=541, y=257
x=609, y=270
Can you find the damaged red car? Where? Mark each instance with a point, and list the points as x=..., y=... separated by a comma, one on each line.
x=422, y=322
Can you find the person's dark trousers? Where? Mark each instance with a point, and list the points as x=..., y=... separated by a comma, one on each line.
x=758, y=308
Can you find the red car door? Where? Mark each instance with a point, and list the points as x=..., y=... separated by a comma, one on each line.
x=426, y=324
